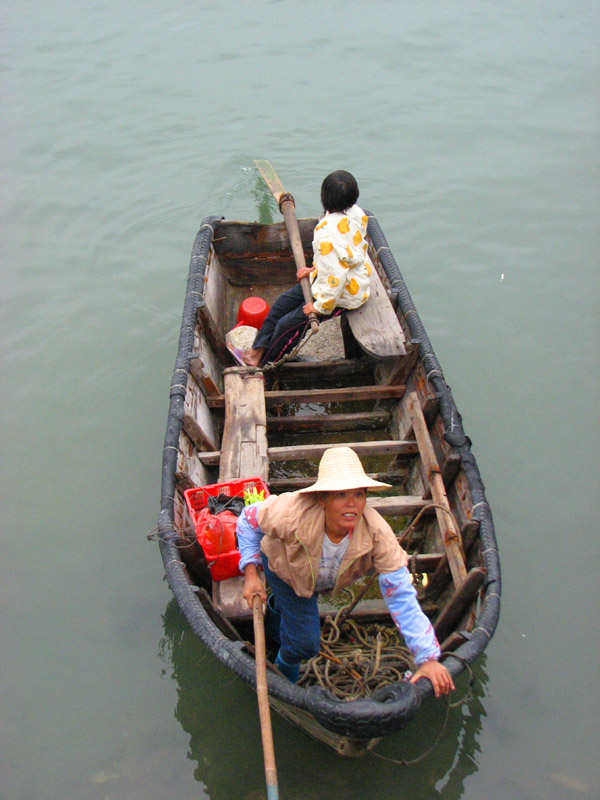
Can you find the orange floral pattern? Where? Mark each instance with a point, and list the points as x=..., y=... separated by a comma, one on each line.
x=343, y=267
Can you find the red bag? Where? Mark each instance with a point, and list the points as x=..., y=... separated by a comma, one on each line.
x=215, y=533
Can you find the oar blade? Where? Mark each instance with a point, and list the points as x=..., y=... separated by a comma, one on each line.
x=270, y=177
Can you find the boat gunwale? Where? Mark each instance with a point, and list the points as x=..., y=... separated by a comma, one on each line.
x=372, y=717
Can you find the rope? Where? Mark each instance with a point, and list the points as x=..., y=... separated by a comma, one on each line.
x=172, y=536
x=304, y=338
x=410, y=527
x=355, y=660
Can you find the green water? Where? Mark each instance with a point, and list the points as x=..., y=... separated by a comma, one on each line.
x=473, y=132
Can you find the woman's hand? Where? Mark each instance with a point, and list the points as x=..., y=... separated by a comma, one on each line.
x=303, y=272
x=253, y=585
x=309, y=309
x=437, y=673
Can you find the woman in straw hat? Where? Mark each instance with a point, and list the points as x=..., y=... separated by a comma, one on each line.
x=325, y=537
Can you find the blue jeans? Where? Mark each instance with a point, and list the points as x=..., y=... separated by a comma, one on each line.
x=299, y=628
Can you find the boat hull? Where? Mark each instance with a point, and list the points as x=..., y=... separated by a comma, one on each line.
x=230, y=261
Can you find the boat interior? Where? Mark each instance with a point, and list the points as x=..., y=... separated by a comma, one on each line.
x=364, y=386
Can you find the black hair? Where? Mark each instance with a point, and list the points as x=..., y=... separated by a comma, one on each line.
x=339, y=191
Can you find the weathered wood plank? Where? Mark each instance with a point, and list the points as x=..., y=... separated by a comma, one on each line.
x=299, y=452
x=214, y=290
x=375, y=325
x=190, y=472
x=198, y=420
x=400, y=506
x=328, y=422
x=441, y=576
x=219, y=614
x=425, y=562
x=204, y=366
x=292, y=484
x=428, y=399
x=397, y=370
x=244, y=451
x=244, y=454
x=462, y=598
x=314, y=451
x=346, y=394
x=461, y=501
x=446, y=522
x=255, y=241
x=336, y=370
x=227, y=597
x=235, y=608
x=214, y=333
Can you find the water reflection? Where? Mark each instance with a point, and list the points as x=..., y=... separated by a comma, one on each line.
x=218, y=711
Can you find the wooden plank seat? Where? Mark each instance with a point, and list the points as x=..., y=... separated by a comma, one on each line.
x=362, y=420
x=312, y=451
x=273, y=398
x=292, y=484
x=375, y=325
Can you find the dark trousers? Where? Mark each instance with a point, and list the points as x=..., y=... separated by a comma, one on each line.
x=299, y=627
x=283, y=326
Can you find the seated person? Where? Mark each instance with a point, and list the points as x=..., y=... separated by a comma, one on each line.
x=340, y=275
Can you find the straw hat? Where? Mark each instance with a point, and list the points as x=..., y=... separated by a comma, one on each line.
x=340, y=469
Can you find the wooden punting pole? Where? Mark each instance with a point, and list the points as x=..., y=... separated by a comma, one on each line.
x=286, y=204
x=262, y=692
x=244, y=454
x=446, y=521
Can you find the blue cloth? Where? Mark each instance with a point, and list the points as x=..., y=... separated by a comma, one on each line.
x=401, y=598
x=299, y=629
x=249, y=536
x=291, y=671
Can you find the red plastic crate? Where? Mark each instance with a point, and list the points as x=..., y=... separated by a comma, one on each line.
x=223, y=562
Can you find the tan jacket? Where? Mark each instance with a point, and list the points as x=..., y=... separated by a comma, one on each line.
x=293, y=525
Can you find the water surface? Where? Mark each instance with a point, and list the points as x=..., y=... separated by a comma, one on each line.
x=472, y=129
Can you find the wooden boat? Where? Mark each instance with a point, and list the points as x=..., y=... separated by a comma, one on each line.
x=385, y=395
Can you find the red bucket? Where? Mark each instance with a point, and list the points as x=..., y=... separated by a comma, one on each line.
x=252, y=311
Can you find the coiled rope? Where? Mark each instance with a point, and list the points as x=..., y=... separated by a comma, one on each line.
x=356, y=660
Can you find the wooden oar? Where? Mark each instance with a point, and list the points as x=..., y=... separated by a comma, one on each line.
x=263, y=699
x=286, y=204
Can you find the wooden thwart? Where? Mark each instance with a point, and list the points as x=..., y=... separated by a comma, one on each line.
x=328, y=422
x=375, y=325
x=400, y=506
x=309, y=451
x=341, y=369
x=322, y=395
x=287, y=484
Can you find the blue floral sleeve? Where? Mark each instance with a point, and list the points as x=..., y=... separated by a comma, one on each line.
x=417, y=631
x=248, y=537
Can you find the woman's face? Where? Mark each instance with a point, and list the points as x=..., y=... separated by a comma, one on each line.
x=342, y=511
